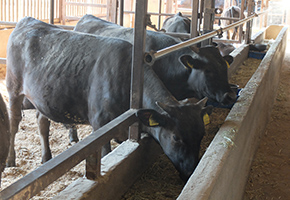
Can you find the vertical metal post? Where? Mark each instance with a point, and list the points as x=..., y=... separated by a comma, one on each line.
x=241, y=17
x=201, y=10
x=137, y=75
x=51, y=14
x=266, y=15
x=194, y=18
x=208, y=19
x=121, y=12
x=159, y=16
x=249, y=23
x=113, y=10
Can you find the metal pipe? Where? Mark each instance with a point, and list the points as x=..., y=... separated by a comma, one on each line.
x=5, y=23
x=150, y=57
x=121, y=12
x=137, y=71
x=51, y=14
x=228, y=18
x=13, y=24
x=159, y=16
x=3, y=61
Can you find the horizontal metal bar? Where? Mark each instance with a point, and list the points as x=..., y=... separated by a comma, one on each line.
x=13, y=24
x=180, y=35
x=225, y=41
x=86, y=4
x=155, y=13
x=228, y=18
x=150, y=57
x=3, y=61
x=37, y=180
x=8, y=23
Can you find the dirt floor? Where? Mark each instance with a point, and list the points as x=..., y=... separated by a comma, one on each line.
x=269, y=177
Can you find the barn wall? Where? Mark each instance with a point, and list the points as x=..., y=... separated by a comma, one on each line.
x=4, y=35
x=223, y=170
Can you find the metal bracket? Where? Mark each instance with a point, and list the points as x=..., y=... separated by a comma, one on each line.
x=220, y=32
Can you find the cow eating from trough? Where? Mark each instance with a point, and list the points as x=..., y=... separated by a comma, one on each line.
x=205, y=75
x=72, y=77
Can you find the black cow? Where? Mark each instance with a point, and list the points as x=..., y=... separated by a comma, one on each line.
x=232, y=12
x=4, y=135
x=204, y=75
x=72, y=77
x=181, y=24
x=177, y=24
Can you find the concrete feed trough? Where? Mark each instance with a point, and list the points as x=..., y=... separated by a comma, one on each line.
x=223, y=169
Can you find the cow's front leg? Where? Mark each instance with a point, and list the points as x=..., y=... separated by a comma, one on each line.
x=15, y=118
x=43, y=125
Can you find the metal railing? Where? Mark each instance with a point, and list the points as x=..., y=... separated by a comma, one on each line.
x=29, y=185
x=150, y=57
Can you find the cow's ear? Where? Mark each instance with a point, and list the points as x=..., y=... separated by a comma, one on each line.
x=229, y=59
x=151, y=117
x=189, y=62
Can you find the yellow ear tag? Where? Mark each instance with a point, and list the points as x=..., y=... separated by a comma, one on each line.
x=190, y=65
x=152, y=122
x=228, y=64
x=206, y=119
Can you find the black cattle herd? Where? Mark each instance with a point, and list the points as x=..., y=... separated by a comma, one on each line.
x=83, y=77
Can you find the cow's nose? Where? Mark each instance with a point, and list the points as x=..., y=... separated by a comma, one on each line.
x=229, y=98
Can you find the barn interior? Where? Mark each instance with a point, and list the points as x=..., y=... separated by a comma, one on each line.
x=234, y=163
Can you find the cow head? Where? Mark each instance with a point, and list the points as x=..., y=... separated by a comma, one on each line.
x=179, y=130
x=209, y=75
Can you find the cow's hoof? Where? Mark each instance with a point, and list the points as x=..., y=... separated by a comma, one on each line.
x=46, y=158
x=74, y=140
x=72, y=143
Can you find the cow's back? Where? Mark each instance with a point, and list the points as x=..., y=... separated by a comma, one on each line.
x=154, y=40
x=177, y=24
x=65, y=73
